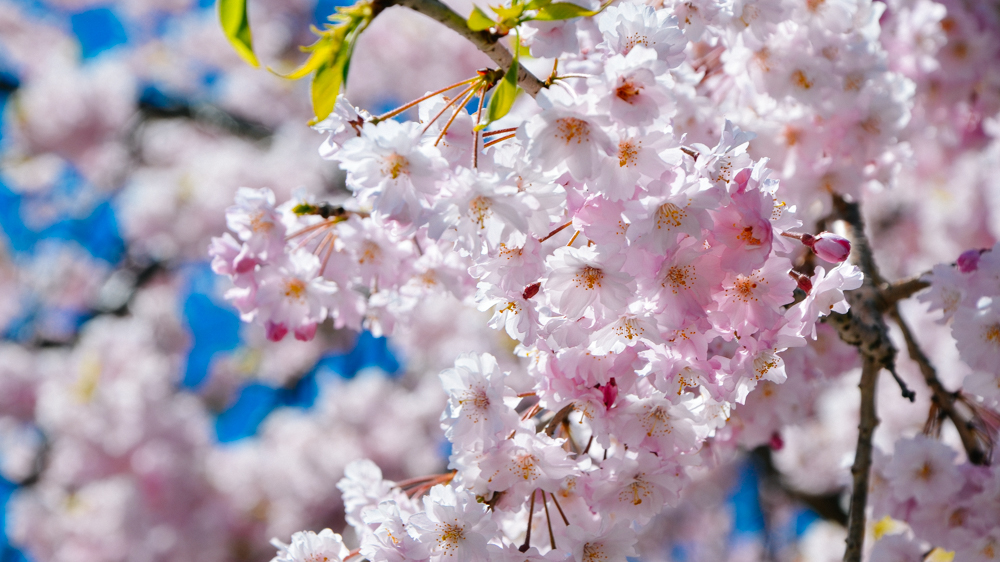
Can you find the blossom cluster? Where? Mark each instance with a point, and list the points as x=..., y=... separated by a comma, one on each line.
x=649, y=284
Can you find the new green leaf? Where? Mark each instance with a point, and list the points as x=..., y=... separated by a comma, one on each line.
x=233, y=17
x=562, y=11
x=479, y=21
x=504, y=94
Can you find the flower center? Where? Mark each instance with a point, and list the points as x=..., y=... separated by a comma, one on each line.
x=628, y=90
x=571, y=128
x=589, y=277
x=669, y=215
x=370, y=252
x=992, y=334
x=628, y=152
x=679, y=277
x=745, y=288
x=800, y=79
x=479, y=209
x=747, y=236
x=451, y=535
x=394, y=165
x=295, y=288
x=633, y=40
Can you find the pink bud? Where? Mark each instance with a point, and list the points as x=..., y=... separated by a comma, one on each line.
x=776, y=443
x=802, y=281
x=306, y=332
x=275, y=332
x=610, y=391
x=969, y=261
x=829, y=246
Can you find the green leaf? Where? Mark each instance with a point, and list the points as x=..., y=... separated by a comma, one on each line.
x=323, y=50
x=562, y=11
x=479, y=20
x=504, y=94
x=536, y=4
x=510, y=13
x=233, y=17
x=330, y=76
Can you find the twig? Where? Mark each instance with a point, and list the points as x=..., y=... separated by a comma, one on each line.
x=862, y=460
x=942, y=398
x=863, y=326
x=485, y=41
x=903, y=289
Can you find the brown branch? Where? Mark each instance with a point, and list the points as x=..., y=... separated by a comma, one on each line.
x=902, y=289
x=942, y=398
x=863, y=325
x=485, y=41
x=862, y=460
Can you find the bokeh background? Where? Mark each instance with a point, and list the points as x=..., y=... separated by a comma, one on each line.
x=139, y=418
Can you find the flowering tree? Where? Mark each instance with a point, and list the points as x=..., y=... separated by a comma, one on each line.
x=655, y=285
x=635, y=245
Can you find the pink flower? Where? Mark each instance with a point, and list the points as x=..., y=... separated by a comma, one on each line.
x=828, y=246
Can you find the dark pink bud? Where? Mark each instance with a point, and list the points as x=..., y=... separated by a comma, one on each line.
x=829, y=246
x=804, y=282
x=776, y=443
x=275, y=332
x=531, y=290
x=305, y=333
x=610, y=391
x=969, y=261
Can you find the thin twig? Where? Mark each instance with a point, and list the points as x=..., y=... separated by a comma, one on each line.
x=942, y=398
x=527, y=537
x=495, y=141
x=903, y=289
x=558, y=229
x=861, y=469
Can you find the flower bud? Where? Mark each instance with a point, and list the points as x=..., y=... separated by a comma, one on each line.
x=829, y=246
x=969, y=261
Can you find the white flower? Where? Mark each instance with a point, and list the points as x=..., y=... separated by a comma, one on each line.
x=308, y=546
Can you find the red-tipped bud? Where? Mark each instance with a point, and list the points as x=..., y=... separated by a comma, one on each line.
x=776, y=443
x=275, y=331
x=969, y=261
x=531, y=290
x=610, y=392
x=828, y=246
x=804, y=282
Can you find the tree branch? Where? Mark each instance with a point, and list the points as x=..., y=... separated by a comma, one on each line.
x=485, y=41
x=942, y=398
x=862, y=460
x=902, y=289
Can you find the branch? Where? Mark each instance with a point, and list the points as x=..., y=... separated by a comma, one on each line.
x=863, y=325
x=483, y=40
x=902, y=289
x=862, y=461
x=942, y=398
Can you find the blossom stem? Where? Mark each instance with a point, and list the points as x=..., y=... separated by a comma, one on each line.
x=406, y=106
x=554, y=232
x=573, y=239
x=499, y=131
x=450, y=103
x=559, y=507
x=527, y=536
x=458, y=109
x=499, y=140
x=548, y=521
x=310, y=228
x=475, y=140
